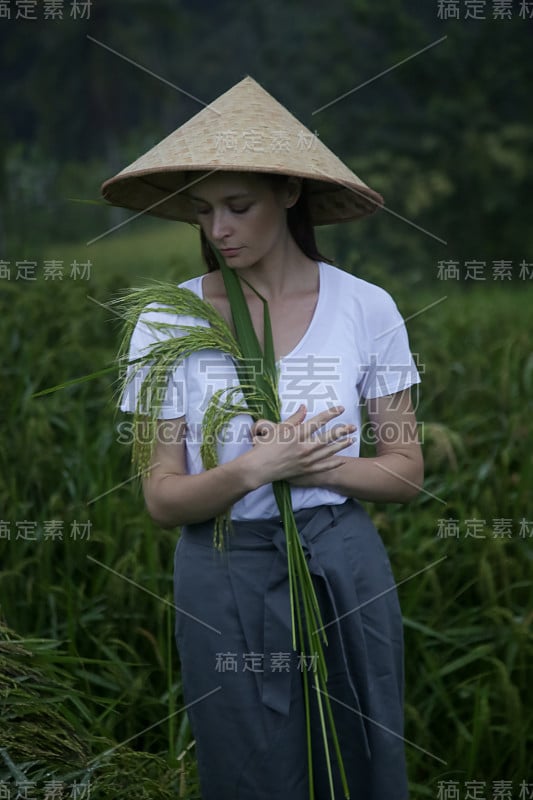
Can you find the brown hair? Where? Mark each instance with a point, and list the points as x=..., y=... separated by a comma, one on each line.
x=298, y=221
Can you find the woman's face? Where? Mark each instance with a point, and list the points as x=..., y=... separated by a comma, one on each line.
x=243, y=214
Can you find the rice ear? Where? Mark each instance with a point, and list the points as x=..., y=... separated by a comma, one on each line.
x=161, y=357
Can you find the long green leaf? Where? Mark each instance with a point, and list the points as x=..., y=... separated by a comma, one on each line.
x=300, y=581
x=75, y=381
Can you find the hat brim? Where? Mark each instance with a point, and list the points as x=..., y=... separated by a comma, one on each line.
x=161, y=193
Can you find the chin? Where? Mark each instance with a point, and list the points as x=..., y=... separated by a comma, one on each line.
x=241, y=262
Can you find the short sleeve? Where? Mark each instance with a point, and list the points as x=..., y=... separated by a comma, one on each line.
x=389, y=365
x=144, y=335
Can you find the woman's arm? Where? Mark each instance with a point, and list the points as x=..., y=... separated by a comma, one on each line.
x=396, y=473
x=173, y=497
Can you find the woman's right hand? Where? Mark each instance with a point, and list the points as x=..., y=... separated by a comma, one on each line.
x=285, y=449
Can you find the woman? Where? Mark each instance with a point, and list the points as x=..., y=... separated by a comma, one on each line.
x=339, y=341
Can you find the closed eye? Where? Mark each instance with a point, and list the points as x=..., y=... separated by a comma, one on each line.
x=203, y=211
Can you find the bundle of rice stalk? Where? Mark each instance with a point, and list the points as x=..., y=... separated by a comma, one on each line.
x=260, y=390
x=49, y=734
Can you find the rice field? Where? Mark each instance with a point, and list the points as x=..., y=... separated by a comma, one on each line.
x=89, y=675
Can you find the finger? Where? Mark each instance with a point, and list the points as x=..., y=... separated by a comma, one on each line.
x=333, y=434
x=326, y=449
x=298, y=415
x=261, y=427
x=340, y=444
x=321, y=419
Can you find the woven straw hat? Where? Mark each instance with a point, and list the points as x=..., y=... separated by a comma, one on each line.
x=245, y=129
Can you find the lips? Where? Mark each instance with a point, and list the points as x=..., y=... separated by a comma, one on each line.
x=230, y=251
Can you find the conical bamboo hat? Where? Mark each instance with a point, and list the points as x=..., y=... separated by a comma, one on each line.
x=245, y=129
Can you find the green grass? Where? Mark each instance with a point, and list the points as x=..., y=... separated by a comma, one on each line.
x=110, y=662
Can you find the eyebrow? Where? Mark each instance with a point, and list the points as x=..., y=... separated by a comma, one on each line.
x=228, y=197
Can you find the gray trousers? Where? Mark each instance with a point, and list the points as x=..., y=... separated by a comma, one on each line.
x=243, y=683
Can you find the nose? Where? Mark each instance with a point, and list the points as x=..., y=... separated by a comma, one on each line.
x=220, y=224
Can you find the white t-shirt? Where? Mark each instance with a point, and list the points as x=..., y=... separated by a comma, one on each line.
x=356, y=347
